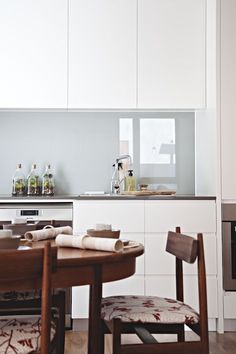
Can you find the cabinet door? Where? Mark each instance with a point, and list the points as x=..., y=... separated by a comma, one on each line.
x=127, y=216
x=171, y=53
x=192, y=216
x=164, y=286
x=160, y=262
x=33, y=60
x=228, y=89
x=102, y=53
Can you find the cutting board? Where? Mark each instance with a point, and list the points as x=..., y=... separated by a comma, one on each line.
x=150, y=192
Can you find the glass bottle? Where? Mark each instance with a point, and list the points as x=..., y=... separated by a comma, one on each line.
x=18, y=182
x=130, y=182
x=48, y=182
x=33, y=182
x=115, y=183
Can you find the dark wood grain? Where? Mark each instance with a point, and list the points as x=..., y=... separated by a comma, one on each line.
x=81, y=267
x=29, y=268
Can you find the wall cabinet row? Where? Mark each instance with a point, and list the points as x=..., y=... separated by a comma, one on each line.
x=99, y=54
x=148, y=222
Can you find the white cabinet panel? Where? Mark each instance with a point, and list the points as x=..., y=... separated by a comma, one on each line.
x=129, y=286
x=80, y=301
x=160, y=262
x=171, y=53
x=191, y=216
x=133, y=285
x=127, y=216
x=230, y=305
x=102, y=54
x=33, y=60
x=164, y=286
x=139, y=237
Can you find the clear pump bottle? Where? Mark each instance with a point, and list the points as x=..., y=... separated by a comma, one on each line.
x=48, y=182
x=115, y=183
x=18, y=182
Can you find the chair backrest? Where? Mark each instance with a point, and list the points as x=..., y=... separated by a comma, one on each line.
x=188, y=249
x=27, y=270
x=183, y=247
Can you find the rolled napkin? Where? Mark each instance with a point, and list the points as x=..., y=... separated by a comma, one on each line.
x=89, y=242
x=47, y=233
x=70, y=241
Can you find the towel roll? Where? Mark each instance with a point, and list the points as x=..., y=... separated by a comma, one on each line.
x=70, y=241
x=89, y=242
x=47, y=232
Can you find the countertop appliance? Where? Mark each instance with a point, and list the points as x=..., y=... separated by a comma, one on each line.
x=58, y=214
x=229, y=246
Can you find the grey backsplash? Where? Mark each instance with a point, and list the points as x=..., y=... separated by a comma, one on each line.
x=81, y=147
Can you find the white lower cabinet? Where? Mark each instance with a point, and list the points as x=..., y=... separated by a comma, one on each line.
x=148, y=221
x=164, y=285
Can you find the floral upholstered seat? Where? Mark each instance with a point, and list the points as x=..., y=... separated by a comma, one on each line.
x=147, y=309
x=19, y=295
x=21, y=336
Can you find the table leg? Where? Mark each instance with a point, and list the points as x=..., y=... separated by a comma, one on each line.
x=95, y=297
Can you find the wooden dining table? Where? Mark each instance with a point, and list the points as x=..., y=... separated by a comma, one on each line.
x=87, y=267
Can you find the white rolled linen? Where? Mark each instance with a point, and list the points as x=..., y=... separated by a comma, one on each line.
x=47, y=233
x=89, y=242
x=70, y=241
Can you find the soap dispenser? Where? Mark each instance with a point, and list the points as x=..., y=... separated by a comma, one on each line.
x=130, y=182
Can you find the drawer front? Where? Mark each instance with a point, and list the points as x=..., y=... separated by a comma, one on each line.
x=160, y=262
x=164, y=286
x=80, y=294
x=191, y=216
x=127, y=216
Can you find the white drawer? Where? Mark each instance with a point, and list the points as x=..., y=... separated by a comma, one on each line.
x=133, y=285
x=160, y=262
x=191, y=216
x=164, y=286
x=128, y=216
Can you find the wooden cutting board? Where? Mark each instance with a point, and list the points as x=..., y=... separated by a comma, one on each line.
x=150, y=192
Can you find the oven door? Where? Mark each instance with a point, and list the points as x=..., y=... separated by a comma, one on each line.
x=229, y=255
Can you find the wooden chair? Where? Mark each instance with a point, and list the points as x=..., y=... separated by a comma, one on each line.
x=30, y=270
x=146, y=315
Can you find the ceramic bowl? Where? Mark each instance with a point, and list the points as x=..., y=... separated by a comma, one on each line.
x=104, y=233
x=10, y=242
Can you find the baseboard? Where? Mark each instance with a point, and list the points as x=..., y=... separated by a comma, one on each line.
x=80, y=325
x=230, y=325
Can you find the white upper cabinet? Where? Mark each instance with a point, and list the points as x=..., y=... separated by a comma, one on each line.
x=33, y=60
x=228, y=98
x=171, y=53
x=102, y=53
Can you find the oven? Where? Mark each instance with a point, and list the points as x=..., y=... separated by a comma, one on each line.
x=229, y=246
x=37, y=215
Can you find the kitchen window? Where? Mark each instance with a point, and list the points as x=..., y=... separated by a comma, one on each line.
x=161, y=148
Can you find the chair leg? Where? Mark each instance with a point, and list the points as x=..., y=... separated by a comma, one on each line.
x=180, y=334
x=61, y=323
x=116, y=336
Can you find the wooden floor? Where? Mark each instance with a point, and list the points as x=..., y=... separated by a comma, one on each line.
x=76, y=343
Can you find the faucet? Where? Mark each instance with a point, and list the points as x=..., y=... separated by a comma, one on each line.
x=123, y=157
x=116, y=180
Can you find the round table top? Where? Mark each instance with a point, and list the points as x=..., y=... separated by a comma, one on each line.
x=68, y=256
